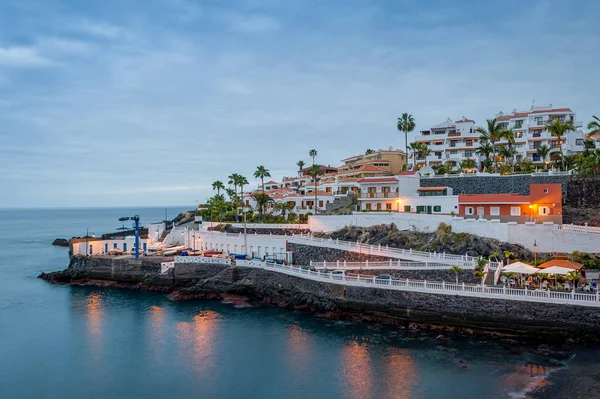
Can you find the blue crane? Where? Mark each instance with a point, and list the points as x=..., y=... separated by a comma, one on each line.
x=136, y=220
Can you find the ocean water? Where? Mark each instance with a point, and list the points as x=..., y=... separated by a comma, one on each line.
x=81, y=342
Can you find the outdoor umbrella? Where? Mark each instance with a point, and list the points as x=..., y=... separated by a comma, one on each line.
x=520, y=268
x=556, y=270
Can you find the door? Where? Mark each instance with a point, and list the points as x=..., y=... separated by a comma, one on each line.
x=106, y=248
x=480, y=211
x=91, y=249
x=124, y=247
x=429, y=209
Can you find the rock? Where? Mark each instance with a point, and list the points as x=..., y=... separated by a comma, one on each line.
x=440, y=337
x=61, y=242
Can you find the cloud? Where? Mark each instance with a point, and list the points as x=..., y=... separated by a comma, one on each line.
x=26, y=57
x=64, y=46
x=253, y=23
x=97, y=29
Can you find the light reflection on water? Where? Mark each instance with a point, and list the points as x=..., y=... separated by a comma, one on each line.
x=357, y=372
x=197, y=338
x=94, y=312
x=401, y=373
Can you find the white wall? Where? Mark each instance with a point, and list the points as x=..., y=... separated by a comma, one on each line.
x=258, y=245
x=98, y=247
x=547, y=236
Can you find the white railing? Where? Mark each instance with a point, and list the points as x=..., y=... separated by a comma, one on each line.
x=384, y=265
x=497, y=273
x=262, y=225
x=165, y=266
x=578, y=229
x=241, y=234
x=467, y=290
x=465, y=261
x=202, y=259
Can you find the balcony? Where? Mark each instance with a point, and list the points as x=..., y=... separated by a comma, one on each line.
x=453, y=134
x=533, y=147
x=378, y=195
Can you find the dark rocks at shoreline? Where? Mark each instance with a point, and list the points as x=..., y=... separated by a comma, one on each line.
x=61, y=242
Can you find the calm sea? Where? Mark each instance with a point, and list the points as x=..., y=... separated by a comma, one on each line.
x=73, y=342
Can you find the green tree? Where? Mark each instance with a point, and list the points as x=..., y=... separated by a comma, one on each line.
x=262, y=200
x=594, y=126
x=283, y=208
x=492, y=134
x=456, y=269
x=481, y=262
x=406, y=124
x=558, y=129
x=369, y=151
x=315, y=171
x=468, y=164
x=414, y=147
x=574, y=277
x=313, y=154
x=543, y=152
x=216, y=204
x=300, y=165
x=218, y=185
x=485, y=149
x=260, y=173
x=480, y=274
x=507, y=255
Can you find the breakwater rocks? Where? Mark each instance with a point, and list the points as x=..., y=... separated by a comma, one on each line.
x=544, y=322
x=61, y=242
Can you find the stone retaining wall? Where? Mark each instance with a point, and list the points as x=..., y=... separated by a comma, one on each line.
x=517, y=184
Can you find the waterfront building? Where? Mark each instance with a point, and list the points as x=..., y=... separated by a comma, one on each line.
x=452, y=142
x=542, y=204
x=112, y=245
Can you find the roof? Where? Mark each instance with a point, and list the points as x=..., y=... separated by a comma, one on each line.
x=537, y=111
x=371, y=168
x=379, y=180
x=561, y=261
x=440, y=188
x=593, y=137
x=465, y=120
x=493, y=198
x=447, y=123
x=271, y=182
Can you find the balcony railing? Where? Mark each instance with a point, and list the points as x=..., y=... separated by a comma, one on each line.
x=378, y=195
x=453, y=134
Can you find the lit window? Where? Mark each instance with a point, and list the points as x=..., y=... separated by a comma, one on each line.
x=515, y=211
x=545, y=191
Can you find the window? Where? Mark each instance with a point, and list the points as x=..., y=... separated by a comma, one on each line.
x=495, y=211
x=537, y=158
x=469, y=210
x=579, y=142
x=420, y=208
x=518, y=135
x=406, y=208
x=545, y=191
x=368, y=207
x=115, y=245
x=515, y=211
x=388, y=207
x=320, y=204
x=379, y=206
x=437, y=208
x=544, y=210
x=469, y=153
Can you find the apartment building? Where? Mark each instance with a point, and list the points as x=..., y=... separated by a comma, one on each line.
x=376, y=162
x=530, y=134
x=451, y=142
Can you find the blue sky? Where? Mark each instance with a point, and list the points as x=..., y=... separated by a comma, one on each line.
x=122, y=102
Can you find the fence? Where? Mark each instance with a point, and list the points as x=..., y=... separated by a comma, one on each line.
x=385, y=265
x=286, y=226
x=202, y=259
x=578, y=229
x=465, y=261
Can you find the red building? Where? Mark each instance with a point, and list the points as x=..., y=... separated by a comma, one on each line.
x=542, y=204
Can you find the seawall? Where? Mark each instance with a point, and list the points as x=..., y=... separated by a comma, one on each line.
x=542, y=322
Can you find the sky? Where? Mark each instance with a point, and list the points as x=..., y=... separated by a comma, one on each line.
x=123, y=102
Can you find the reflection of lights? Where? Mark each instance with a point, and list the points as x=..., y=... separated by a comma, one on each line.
x=298, y=348
x=200, y=336
x=94, y=313
x=401, y=374
x=357, y=370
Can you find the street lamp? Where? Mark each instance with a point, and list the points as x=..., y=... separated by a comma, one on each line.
x=534, y=253
x=87, y=241
x=399, y=201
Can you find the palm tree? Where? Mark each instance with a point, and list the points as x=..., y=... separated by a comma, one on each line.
x=485, y=149
x=406, y=123
x=232, y=194
x=594, y=126
x=313, y=172
x=369, y=151
x=261, y=173
x=262, y=200
x=507, y=275
x=589, y=145
x=507, y=153
x=492, y=134
x=218, y=185
x=456, y=270
x=414, y=147
x=234, y=179
x=574, y=276
x=300, y=164
x=443, y=169
x=481, y=274
x=558, y=128
x=283, y=207
x=468, y=164
x=313, y=155
x=507, y=254
x=569, y=162
x=481, y=262
x=543, y=152
x=216, y=204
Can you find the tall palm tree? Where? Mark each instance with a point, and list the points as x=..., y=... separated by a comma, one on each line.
x=543, y=152
x=424, y=151
x=485, y=149
x=218, y=185
x=492, y=134
x=508, y=153
x=315, y=171
x=234, y=181
x=406, y=123
x=558, y=129
x=232, y=194
x=509, y=136
x=300, y=164
x=313, y=154
x=594, y=126
x=456, y=270
x=468, y=164
x=260, y=173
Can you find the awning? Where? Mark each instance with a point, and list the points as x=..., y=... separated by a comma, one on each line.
x=520, y=268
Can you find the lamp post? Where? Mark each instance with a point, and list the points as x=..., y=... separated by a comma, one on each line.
x=534, y=253
x=530, y=213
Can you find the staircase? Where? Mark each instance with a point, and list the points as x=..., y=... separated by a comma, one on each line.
x=339, y=203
